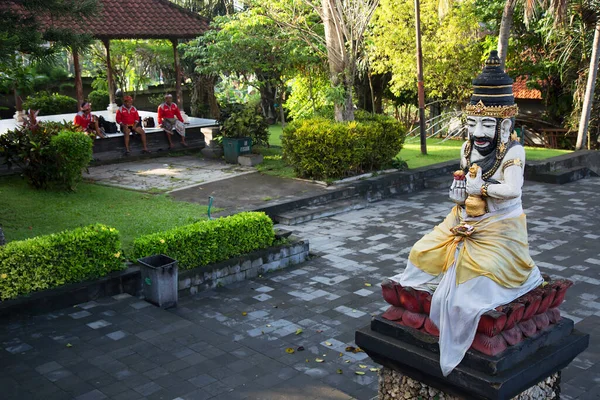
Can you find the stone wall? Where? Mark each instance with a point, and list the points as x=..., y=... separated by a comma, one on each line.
x=393, y=385
x=241, y=268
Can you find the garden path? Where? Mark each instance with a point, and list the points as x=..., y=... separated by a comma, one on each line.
x=230, y=343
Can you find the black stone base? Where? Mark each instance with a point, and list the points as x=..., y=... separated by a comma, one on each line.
x=470, y=383
x=474, y=359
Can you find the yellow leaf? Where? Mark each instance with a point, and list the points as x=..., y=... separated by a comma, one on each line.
x=327, y=344
x=359, y=372
x=319, y=360
x=298, y=331
x=373, y=369
x=341, y=354
x=3, y=276
x=347, y=361
x=289, y=350
x=69, y=345
x=339, y=371
x=268, y=325
x=368, y=285
x=362, y=366
x=244, y=313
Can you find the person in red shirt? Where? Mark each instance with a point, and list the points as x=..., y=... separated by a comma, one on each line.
x=168, y=114
x=128, y=119
x=88, y=122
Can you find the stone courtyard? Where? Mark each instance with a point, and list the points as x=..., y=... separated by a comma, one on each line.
x=285, y=335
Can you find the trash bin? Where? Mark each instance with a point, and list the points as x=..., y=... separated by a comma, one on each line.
x=159, y=280
x=234, y=147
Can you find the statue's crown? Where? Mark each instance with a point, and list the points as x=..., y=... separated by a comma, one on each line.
x=481, y=110
x=492, y=91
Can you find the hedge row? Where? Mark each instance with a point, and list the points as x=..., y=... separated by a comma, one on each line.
x=49, y=261
x=209, y=241
x=319, y=148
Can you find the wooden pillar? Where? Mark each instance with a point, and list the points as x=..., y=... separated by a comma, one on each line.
x=78, y=83
x=178, y=89
x=109, y=74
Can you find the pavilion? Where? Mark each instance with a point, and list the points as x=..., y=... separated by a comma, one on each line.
x=132, y=19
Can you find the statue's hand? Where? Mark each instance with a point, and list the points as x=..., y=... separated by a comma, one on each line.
x=474, y=184
x=458, y=193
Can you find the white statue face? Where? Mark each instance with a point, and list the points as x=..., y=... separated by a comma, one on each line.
x=483, y=131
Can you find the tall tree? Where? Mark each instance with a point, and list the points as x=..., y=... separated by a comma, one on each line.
x=340, y=33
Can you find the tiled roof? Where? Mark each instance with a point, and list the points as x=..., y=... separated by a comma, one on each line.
x=134, y=19
x=521, y=91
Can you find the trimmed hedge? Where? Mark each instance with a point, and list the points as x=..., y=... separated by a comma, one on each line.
x=45, y=262
x=72, y=154
x=209, y=241
x=50, y=103
x=319, y=148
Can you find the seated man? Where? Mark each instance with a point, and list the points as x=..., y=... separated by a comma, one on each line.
x=167, y=112
x=478, y=258
x=128, y=119
x=88, y=122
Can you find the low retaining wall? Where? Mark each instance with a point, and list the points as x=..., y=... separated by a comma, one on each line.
x=241, y=268
x=129, y=280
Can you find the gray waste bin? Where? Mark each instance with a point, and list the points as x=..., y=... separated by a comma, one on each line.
x=159, y=280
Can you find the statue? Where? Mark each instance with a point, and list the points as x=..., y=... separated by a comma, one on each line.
x=477, y=259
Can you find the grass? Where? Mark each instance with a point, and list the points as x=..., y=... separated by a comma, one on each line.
x=438, y=152
x=26, y=212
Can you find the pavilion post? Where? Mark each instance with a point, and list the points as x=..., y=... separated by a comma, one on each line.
x=78, y=83
x=178, y=74
x=112, y=106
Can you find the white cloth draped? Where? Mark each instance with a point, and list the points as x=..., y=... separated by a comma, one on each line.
x=456, y=309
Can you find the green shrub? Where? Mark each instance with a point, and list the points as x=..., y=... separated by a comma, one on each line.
x=72, y=152
x=245, y=120
x=320, y=148
x=99, y=99
x=49, y=261
x=30, y=148
x=50, y=104
x=209, y=241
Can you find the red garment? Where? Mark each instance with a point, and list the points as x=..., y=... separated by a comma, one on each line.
x=127, y=116
x=83, y=120
x=166, y=111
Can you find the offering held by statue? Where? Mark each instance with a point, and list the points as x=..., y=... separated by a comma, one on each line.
x=475, y=205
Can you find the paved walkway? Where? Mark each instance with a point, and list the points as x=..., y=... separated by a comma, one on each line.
x=230, y=343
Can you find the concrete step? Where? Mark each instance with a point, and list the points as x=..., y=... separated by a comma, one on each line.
x=308, y=213
x=563, y=175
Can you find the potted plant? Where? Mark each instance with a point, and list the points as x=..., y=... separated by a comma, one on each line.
x=242, y=125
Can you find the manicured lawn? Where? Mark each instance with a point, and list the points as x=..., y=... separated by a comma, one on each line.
x=275, y=132
x=25, y=212
x=438, y=152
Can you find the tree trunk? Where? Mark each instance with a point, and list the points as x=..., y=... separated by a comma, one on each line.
x=337, y=56
x=78, y=83
x=203, y=100
x=505, y=28
x=589, y=90
x=268, y=94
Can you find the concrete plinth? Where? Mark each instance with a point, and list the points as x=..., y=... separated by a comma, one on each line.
x=250, y=160
x=394, y=386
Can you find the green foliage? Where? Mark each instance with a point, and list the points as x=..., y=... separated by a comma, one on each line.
x=319, y=148
x=50, y=104
x=308, y=94
x=31, y=148
x=210, y=241
x=99, y=99
x=452, y=52
x=50, y=261
x=72, y=153
x=245, y=120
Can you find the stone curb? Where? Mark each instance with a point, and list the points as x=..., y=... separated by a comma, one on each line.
x=129, y=281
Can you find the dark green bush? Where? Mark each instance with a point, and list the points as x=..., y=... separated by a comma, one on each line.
x=50, y=104
x=49, y=261
x=99, y=99
x=209, y=241
x=72, y=152
x=245, y=120
x=319, y=148
x=30, y=148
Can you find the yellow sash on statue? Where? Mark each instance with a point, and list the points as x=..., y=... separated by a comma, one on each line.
x=497, y=248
